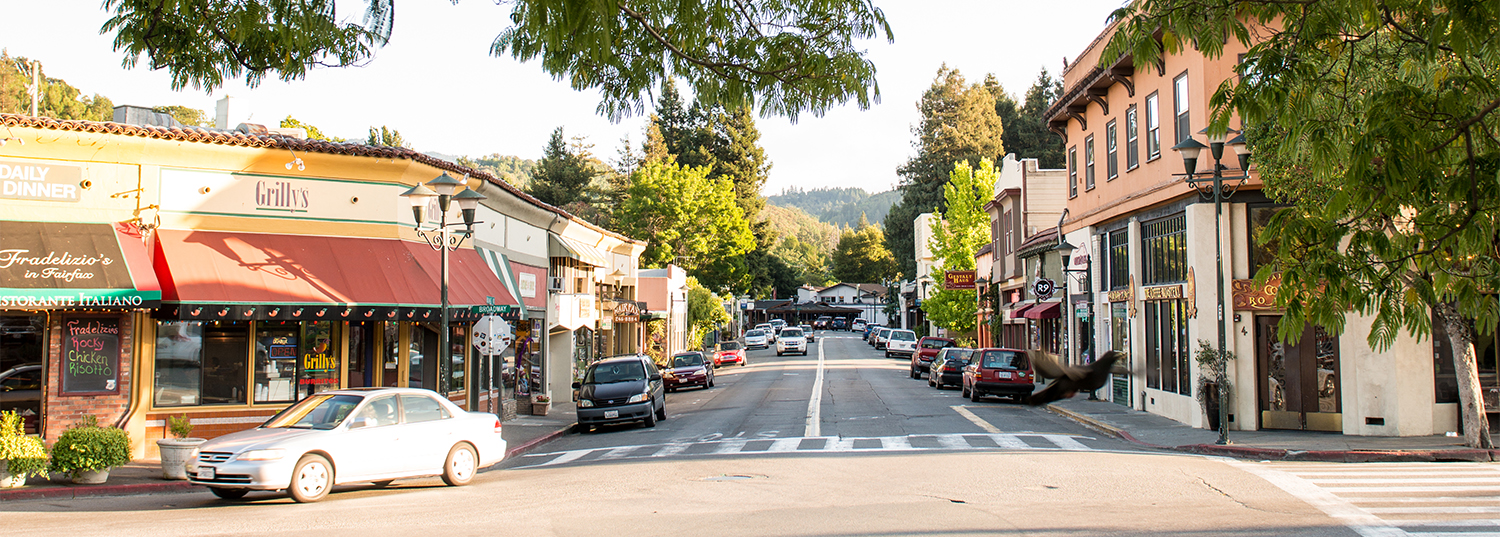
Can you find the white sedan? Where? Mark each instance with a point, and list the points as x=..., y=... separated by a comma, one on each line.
x=375, y=435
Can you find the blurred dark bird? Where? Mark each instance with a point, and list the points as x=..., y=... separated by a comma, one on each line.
x=1070, y=379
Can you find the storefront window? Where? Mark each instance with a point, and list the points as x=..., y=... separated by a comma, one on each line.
x=424, y=343
x=320, y=363
x=458, y=337
x=275, y=362
x=179, y=363
x=22, y=359
x=392, y=344
x=225, y=348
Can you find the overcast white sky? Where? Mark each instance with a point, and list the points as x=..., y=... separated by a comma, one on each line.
x=437, y=84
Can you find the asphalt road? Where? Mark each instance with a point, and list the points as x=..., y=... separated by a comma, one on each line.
x=778, y=449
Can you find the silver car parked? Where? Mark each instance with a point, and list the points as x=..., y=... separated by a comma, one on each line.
x=375, y=435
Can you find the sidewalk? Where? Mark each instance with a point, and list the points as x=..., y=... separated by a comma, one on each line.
x=523, y=434
x=1153, y=431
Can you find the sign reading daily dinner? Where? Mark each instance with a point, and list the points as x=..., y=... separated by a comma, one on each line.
x=47, y=265
x=20, y=180
x=91, y=355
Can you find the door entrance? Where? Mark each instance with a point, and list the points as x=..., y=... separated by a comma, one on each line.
x=1298, y=384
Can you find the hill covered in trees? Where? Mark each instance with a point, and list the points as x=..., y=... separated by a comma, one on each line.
x=839, y=207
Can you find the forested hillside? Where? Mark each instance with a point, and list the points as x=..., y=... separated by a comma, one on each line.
x=838, y=206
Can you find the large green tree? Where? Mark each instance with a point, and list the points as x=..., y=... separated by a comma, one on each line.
x=956, y=234
x=783, y=57
x=861, y=256
x=1027, y=136
x=563, y=174
x=386, y=136
x=1376, y=120
x=687, y=219
x=313, y=133
x=56, y=98
x=959, y=123
x=705, y=311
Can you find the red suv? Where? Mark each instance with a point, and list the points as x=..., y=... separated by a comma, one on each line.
x=927, y=349
x=1002, y=372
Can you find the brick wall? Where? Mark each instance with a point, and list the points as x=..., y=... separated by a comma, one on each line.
x=63, y=411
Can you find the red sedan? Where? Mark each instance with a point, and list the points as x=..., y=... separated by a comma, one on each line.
x=730, y=352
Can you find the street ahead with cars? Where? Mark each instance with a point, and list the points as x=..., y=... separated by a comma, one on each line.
x=842, y=441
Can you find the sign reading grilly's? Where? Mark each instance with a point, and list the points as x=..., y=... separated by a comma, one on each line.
x=39, y=181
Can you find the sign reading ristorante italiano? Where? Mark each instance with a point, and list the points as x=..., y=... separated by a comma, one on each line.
x=47, y=265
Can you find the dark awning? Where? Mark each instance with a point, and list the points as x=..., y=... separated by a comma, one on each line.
x=53, y=265
x=1045, y=310
x=1020, y=312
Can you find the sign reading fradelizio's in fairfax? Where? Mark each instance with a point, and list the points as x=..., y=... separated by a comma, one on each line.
x=20, y=180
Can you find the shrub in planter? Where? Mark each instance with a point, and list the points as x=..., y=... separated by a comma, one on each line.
x=178, y=452
x=1215, y=377
x=89, y=447
x=22, y=455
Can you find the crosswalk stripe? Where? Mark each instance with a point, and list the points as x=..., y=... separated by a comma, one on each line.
x=823, y=444
x=1427, y=499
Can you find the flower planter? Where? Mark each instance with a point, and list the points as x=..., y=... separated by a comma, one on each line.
x=177, y=454
x=90, y=477
x=8, y=481
x=540, y=409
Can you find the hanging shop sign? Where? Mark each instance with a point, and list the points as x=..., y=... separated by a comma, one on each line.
x=1043, y=287
x=958, y=279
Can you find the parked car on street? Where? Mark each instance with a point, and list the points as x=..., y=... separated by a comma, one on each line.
x=621, y=389
x=356, y=435
x=688, y=369
x=1002, y=372
x=948, y=367
x=927, y=349
x=880, y=337
x=858, y=325
x=757, y=339
x=791, y=341
x=870, y=330
x=901, y=344
x=732, y=352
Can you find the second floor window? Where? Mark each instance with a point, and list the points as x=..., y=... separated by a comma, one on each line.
x=1111, y=153
x=1153, y=127
x=1073, y=172
x=1164, y=250
x=1132, y=141
x=1118, y=258
x=1088, y=159
x=1180, y=100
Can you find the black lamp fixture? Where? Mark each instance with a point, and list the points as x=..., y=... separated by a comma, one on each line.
x=443, y=239
x=1215, y=185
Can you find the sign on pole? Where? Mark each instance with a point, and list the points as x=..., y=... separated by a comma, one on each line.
x=958, y=279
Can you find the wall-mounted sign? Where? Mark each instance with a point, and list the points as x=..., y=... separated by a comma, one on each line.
x=1162, y=292
x=527, y=283
x=1247, y=296
x=627, y=312
x=21, y=180
x=958, y=279
x=91, y=355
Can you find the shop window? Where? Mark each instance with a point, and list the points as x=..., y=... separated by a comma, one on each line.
x=1262, y=255
x=276, y=362
x=1167, y=347
x=23, y=355
x=201, y=363
x=458, y=338
x=391, y=342
x=1118, y=253
x=1486, y=357
x=1164, y=250
x=320, y=363
x=423, y=343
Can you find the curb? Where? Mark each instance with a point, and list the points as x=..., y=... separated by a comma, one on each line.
x=1090, y=422
x=70, y=492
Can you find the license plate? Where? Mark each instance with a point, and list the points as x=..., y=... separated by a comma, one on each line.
x=205, y=472
x=609, y=414
x=1003, y=374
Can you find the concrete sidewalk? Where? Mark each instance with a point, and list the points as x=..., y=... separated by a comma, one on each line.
x=522, y=435
x=1150, y=430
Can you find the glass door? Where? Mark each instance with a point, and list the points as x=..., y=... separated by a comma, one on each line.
x=1298, y=384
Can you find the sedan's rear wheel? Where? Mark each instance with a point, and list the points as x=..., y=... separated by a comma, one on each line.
x=461, y=465
x=228, y=494
x=974, y=395
x=312, y=479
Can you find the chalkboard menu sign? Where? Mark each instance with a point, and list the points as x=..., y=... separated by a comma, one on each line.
x=91, y=355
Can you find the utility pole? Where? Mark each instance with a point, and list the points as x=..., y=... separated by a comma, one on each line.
x=35, y=87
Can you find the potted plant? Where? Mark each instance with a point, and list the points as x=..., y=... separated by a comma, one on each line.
x=20, y=455
x=540, y=403
x=1213, y=384
x=179, y=451
x=87, y=451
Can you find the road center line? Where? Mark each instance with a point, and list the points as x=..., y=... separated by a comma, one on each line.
x=815, y=403
x=969, y=415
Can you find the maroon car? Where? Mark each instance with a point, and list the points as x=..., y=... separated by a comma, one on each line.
x=688, y=369
x=1002, y=372
x=927, y=349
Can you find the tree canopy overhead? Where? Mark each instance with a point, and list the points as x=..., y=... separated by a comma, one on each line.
x=783, y=57
x=1376, y=121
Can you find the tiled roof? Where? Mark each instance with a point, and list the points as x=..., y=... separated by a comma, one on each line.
x=277, y=141
x=987, y=248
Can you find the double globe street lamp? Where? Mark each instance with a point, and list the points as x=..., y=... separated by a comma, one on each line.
x=1214, y=184
x=443, y=239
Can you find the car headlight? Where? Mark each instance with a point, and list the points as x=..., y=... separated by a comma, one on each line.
x=585, y=403
x=637, y=398
x=262, y=455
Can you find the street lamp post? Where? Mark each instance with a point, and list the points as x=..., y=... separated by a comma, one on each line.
x=1212, y=184
x=446, y=189
x=1065, y=253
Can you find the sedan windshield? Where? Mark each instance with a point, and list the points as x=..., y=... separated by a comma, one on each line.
x=687, y=360
x=615, y=372
x=316, y=412
x=791, y=332
x=729, y=346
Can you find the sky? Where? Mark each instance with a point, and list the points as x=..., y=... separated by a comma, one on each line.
x=438, y=85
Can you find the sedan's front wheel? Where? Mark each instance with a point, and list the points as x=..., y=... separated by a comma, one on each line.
x=461, y=465
x=312, y=479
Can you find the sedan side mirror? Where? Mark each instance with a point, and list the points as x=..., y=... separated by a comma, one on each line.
x=577, y=385
x=656, y=376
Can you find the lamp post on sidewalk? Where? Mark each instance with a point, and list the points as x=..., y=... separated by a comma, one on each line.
x=443, y=240
x=1211, y=184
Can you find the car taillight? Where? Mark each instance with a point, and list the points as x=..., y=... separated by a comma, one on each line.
x=497, y=425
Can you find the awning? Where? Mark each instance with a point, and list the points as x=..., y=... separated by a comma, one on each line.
x=52, y=265
x=1045, y=310
x=224, y=275
x=1020, y=312
x=565, y=247
x=500, y=265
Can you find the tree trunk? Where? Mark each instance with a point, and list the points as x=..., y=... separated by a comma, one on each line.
x=1470, y=398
